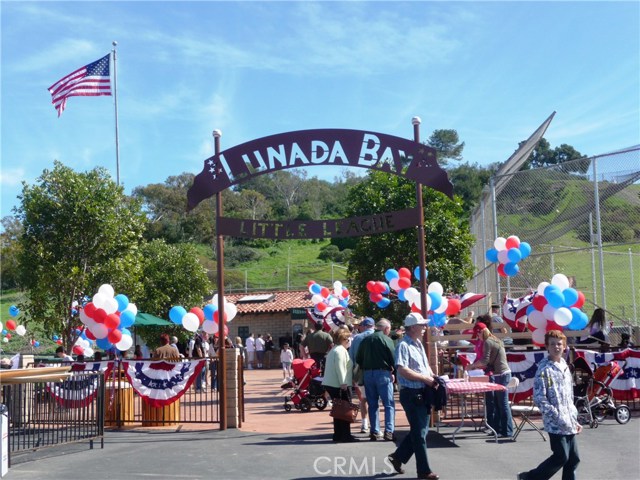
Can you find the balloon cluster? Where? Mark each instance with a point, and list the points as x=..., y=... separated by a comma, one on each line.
x=555, y=306
x=438, y=305
x=507, y=253
x=35, y=343
x=83, y=345
x=325, y=300
x=107, y=319
x=208, y=317
x=11, y=325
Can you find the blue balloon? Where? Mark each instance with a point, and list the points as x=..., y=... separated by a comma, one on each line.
x=570, y=296
x=176, y=313
x=391, y=274
x=401, y=296
x=4, y=331
x=104, y=344
x=436, y=300
x=384, y=303
x=416, y=273
x=14, y=311
x=209, y=309
x=55, y=337
x=492, y=255
x=344, y=303
x=514, y=255
x=316, y=288
x=554, y=296
x=127, y=318
x=525, y=249
x=386, y=288
x=36, y=344
x=125, y=331
x=511, y=269
x=578, y=321
x=530, y=309
x=123, y=302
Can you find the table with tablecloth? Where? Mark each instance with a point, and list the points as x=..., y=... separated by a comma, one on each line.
x=464, y=388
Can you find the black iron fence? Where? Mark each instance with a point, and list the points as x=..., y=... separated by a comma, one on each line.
x=44, y=414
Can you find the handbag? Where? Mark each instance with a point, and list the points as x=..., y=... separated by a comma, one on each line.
x=344, y=410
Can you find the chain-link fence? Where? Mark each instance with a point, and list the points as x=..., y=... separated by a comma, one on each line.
x=581, y=218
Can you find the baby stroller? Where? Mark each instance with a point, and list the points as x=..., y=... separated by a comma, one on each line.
x=306, y=387
x=593, y=396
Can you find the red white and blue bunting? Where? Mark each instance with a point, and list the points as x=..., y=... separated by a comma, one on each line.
x=161, y=383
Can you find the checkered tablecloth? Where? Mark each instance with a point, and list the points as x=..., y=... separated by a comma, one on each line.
x=473, y=387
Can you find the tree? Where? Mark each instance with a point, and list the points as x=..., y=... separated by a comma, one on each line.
x=446, y=143
x=543, y=156
x=448, y=241
x=80, y=231
x=10, y=252
x=468, y=181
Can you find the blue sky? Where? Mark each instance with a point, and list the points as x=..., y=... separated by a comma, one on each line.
x=492, y=71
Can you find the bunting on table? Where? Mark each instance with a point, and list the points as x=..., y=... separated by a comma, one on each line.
x=161, y=383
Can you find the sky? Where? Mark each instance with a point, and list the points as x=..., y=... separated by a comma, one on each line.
x=493, y=71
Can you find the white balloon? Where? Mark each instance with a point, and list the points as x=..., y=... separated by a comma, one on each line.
x=84, y=318
x=418, y=302
x=315, y=299
x=538, y=336
x=393, y=283
x=337, y=287
x=5, y=340
x=541, y=287
x=125, y=343
x=106, y=290
x=190, y=322
x=111, y=306
x=435, y=287
x=100, y=300
x=562, y=316
x=231, y=311
x=429, y=301
x=334, y=302
x=537, y=320
x=443, y=306
x=99, y=330
x=500, y=243
x=132, y=307
x=411, y=294
x=88, y=352
x=560, y=280
x=548, y=311
x=21, y=330
x=210, y=327
x=214, y=299
x=503, y=256
x=1, y=327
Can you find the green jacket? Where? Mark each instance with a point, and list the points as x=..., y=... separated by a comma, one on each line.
x=376, y=352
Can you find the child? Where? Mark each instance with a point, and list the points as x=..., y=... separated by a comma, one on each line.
x=286, y=357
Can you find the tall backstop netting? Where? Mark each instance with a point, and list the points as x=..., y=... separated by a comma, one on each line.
x=582, y=218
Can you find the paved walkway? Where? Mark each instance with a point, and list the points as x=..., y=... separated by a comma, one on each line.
x=295, y=445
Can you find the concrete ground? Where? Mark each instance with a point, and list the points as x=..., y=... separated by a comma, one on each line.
x=276, y=444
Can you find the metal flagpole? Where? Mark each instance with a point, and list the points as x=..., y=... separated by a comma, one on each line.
x=115, y=96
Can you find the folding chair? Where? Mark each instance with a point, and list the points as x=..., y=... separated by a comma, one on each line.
x=522, y=411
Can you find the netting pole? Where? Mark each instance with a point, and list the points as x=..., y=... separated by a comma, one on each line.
x=596, y=199
x=494, y=208
x=633, y=290
x=594, y=285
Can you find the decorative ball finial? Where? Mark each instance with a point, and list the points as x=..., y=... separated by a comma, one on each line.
x=217, y=133
x=114, y=43
x=416, y=121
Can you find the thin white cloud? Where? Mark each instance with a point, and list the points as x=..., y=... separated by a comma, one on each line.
x=63, y=54
x=11, y=177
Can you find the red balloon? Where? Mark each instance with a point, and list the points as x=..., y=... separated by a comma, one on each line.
x=8, y=335
x=454, y=307
x=325, y=292
x=345, y=293
x=539, y=302
x=381, y=287
x=321, y=306
x=512, y=242
x=404, y=272
x=371, y=285
x=89, y=334
x=580, y=300
x=59, y=341
x=78, y=350
x=501, y=270
x=415, y=308
x=551, y=325
x=90, y=309
x=404, y=282
x=114, y=336
x=100, y=315
x=11, y=325
x=216, y=316
x=375, y=297
x=112, y=321
x=310, y=282
x=199, y=313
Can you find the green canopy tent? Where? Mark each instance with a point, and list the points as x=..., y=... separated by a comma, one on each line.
x=148, y=319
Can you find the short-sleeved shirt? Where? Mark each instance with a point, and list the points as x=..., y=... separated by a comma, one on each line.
x=411, y=354
x=318, y=342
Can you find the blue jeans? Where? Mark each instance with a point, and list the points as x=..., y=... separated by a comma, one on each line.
x=418, y=413
x=498, y=409
x=565, y=455
x=378, y=384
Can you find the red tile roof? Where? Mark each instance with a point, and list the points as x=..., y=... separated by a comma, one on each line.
x=283, y=301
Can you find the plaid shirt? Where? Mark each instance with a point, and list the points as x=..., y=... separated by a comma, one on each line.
x=411, y=354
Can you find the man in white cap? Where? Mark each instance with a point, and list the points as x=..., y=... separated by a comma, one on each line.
x=366, y=326
x=414, y=374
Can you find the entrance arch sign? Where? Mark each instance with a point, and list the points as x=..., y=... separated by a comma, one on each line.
x=323, y=147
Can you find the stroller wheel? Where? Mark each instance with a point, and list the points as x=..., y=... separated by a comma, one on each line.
x=594, y=424
x=623, y=414
x=599, y=413
x=305, y=405
x=321, y=403
x=287, y=407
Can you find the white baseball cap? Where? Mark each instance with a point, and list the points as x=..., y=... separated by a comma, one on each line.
x=414, y=319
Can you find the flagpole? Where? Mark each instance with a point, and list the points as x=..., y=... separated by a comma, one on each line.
x=115, y=96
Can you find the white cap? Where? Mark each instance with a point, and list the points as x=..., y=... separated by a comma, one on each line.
x=414, y=319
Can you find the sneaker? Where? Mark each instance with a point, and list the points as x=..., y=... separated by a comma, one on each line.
x=396, y=464
x=389, y=437
x=364, y=430
x=375, y=436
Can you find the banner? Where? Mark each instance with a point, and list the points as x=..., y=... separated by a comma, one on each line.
x=79, y=391
x=161, y=383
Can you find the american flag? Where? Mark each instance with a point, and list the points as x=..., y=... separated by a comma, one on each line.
x=514, y=311
x=92, y=80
